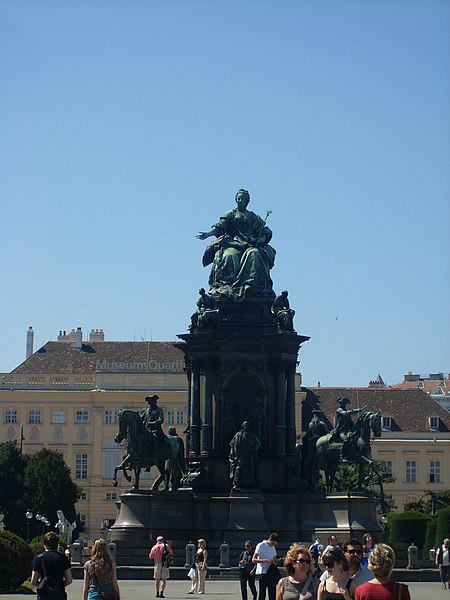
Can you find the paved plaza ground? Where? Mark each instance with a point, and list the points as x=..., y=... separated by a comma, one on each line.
x=215, y=590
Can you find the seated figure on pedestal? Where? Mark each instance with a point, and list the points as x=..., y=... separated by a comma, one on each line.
x=283, y=312
x=241, y=256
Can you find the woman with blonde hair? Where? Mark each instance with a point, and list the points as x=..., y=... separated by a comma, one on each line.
x=381, y=587
x=338, y=585
x=300, y=581
x=100, y=574
x=200, y=565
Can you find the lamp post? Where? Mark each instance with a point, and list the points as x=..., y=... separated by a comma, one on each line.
x=29, y=516
x=384, y=521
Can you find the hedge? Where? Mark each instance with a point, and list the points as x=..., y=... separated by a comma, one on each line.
x=408, y=527
x=15, y=561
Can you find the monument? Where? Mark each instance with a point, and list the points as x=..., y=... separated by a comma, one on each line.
x=242, y=475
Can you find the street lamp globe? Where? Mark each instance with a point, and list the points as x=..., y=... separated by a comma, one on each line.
x=29, y=514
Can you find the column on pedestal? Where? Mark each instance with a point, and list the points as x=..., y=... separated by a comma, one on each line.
x=194, y=429
x=207, y=417
x=280, y=426
x=290, y=409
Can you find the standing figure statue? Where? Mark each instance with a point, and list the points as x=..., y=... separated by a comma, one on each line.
x=65, y=528
x=243, y=457
x=153, y=417
x=343, y=428
x=316, y=429
x=207, y=311
x=283, y=312
x=175, y=465
x=241, y=256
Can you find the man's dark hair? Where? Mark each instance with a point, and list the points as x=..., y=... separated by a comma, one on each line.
x=51, y=540
x=352, y=542
x=273, y=537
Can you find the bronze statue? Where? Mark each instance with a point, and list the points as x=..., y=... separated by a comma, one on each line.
x=153, y=417
x=316, y=429
x=175, y=464
x=241, y=256
x=207, y=311
x=243, y=457
x=344, y=425
x=283, y=312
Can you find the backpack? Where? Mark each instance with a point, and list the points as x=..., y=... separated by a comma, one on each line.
x=167, y=558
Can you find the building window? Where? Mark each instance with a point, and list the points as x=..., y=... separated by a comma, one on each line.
x=434, y=422
x=111, y=416
x=435, y=471
x=83, y=496
x=34, y=416
x=171, y=417
x=112, y=456
x=111, y=496
x=58, y=416
x=410, y=471
x=180, y=417
x=387, y=422
x=10, y=416
x=388, y=467
x=81, y=416
x=81, y=466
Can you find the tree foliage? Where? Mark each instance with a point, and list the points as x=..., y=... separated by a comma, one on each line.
x=40, y=482
x=12, y=465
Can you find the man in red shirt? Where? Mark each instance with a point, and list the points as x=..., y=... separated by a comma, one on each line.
x=161, y=569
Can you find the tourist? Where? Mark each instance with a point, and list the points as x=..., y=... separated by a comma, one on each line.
x=367, y=548
x=200, y=565
x=100, y=573
x=300, y=581
x=338, y=586
x=381, y=587
x=247, y=571
x=443, y=562
x=332, y=543
x=53, y=565
x=264, y=557
x=161, y=570
x=352, y=550
x=316, y=550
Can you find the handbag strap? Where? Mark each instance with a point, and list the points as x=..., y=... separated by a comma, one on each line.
x=44, y=570
x=399, y=591
x=306, y=586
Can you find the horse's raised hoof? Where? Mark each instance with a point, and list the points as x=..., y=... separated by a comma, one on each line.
x=128, y=478
x=115, y=483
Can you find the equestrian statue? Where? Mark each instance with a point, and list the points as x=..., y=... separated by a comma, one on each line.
x=348, y=442
x=146, y=446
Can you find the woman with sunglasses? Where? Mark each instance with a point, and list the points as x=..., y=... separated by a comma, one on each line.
x=367, y=548
x=300, y=581
x=338, y=586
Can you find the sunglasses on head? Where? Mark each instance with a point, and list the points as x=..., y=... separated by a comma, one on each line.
x=354, y=551
x=303, y=561
x=329, y=565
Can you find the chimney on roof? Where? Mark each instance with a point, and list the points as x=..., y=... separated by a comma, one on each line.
x=78, y=338
x=436, y=376
x=30, y=340
x=411, y=377
x=97, y=335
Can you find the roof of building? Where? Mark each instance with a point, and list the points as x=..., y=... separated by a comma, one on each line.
x=438, y=386
x=105, y=357
x=409, y=409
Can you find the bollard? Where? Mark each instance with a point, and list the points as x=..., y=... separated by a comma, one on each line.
x=190, y=553
x=413, y=557
x=224, y=556
x=76, y=553
x=112, y=550
x=432, y=555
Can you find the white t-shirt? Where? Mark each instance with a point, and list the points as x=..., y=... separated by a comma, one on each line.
x=445, y=556
x=265, y=552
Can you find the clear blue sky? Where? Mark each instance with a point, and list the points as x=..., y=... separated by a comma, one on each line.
x=127, y=126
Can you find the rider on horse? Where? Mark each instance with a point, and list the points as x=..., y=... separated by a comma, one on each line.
x=343, y=429
x=153, y=418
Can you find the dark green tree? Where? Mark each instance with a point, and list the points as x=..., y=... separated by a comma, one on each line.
x=49, y=486
x=12, y=464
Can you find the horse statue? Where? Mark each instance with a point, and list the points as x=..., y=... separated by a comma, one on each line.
x=356, y=449
x=142, y=450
